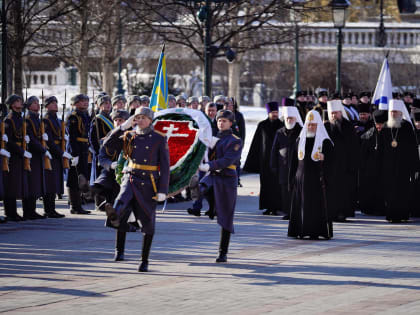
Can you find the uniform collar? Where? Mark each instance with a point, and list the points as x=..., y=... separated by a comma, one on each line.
x=224, y=133
x=144, y=131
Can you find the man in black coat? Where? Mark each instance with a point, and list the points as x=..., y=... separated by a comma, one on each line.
x=400, y=162
x=258, y=160
x=370, y=190
x=282, y=151
x=344, y=162
x=415, y=211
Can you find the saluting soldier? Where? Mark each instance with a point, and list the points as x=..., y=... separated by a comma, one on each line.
x=106, y=185
x=99, y=128
x=54, y=178
x=220, y=185
x=78, y=146
x=146, y=178
x=36, y=183
x=16, y=180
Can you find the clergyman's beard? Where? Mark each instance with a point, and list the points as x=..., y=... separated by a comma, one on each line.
x=310, y=134
x=394, y=122
x=336, y=123
x=289, y=125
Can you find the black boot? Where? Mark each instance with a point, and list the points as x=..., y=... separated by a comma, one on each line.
x=10, y=210
x=99, y=199
x=119, y=246
x=224, y=244
x=76, y=202
x=147, y=244
x=49, y=207
x=29, y=209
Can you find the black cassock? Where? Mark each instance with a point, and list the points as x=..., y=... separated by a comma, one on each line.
x=258, y=161
x=281, y=160
x=371, y=196
x=398, y=167
x=415, y=211
x=309, y=215
x=344, y=164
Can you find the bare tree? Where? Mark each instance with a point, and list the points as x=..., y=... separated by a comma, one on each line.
x=242, y=25
x=26, y=19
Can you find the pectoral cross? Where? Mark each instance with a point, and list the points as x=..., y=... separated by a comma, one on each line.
x=170, y=132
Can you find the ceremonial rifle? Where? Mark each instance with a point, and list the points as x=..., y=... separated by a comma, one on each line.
x=66, y=164
x=5, y=160
x=26, y=161
x=47, y=161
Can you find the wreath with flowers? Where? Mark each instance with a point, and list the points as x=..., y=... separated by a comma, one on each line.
x=188, y=133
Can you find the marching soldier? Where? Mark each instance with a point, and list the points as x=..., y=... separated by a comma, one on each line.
x=99, y=128
x=36, y=175
x=146, y=179
x=78, y=146
x=54, y=178
x=16, y=180
x=220, y=186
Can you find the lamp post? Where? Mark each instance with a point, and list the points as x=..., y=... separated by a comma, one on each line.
x=205, y=15
x=339, y=18
x=297, y=6
x=380, y=33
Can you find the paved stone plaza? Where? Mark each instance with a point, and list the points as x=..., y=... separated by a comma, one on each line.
x=65, y=266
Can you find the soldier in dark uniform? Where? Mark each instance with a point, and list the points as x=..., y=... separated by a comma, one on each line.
x=146, y=178
x=133, y=102
x=365, y=119
x=220, y=185
x=78, y=146
x=4, y=154
x=36, y=182
x=101, y=125
x=352, y=112
x=322, y=103
x=301, y=103
x=408, y=100
x=118, y=102
x=54, y=178
x=106, y=185
x=16, y=180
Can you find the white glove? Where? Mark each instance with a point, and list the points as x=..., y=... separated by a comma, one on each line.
x=114, y=165
x=74, y=161
x=5, y=153
x=67, y=155
x=213, y=142
x=44, y=137
x=27, y=155
x=204, y=167
x=66, y=137
x=27, y=139
x=127, y=124
x=48, y=154
x=160, y=197
x=5, y=138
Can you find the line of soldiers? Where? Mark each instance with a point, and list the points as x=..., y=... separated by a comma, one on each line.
x=370, y=160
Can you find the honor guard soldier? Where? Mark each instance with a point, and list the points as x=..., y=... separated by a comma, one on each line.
x=101, y=125
x=17, y=176
x=106, y=185
x=54, y=178
x=78, y=146
x=145, y=181
x=133, y=102
x=322, y=103
x=220, y=185
x=36, y=184
x=118, y=102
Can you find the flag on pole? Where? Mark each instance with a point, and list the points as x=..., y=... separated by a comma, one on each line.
x=383, y=90
x=159, y=97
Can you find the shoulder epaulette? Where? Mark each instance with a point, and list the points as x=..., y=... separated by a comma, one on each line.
x=236, y=137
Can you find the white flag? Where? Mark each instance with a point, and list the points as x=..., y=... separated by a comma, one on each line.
x=383, y=91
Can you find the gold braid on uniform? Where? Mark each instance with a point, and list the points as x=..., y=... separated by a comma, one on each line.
x=18, y=133
x=36, y=133
x=127, y=147
x=55, y=132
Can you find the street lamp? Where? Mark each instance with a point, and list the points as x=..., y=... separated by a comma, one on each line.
x=339, y=18
x=297, y=7
x=120, y=89
x=380, y=33
x=205, y=15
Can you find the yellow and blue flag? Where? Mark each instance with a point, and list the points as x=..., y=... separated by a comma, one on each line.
x=159, y=97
